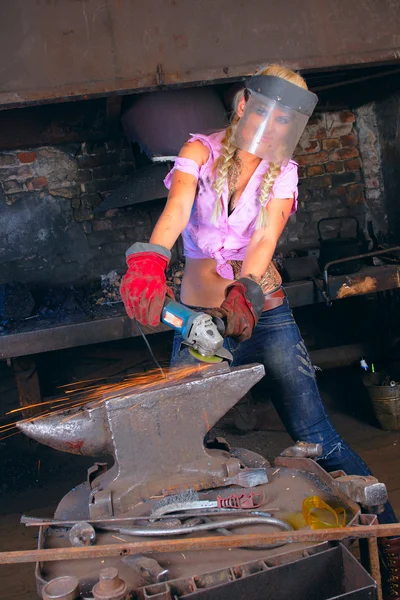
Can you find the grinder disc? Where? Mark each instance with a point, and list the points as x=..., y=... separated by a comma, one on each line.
x=206, y=359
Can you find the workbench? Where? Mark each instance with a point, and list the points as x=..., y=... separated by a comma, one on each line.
x=35, y=336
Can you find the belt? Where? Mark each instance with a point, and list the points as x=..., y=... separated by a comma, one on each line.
x=274, y=299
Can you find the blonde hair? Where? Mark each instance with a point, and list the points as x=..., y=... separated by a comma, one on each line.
x=224, y=161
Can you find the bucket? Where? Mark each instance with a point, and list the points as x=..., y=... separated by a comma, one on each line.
x=385, y=400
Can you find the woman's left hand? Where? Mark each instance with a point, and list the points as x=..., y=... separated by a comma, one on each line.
x=241, y=309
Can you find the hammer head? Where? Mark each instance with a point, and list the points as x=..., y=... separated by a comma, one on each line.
x=365, y=490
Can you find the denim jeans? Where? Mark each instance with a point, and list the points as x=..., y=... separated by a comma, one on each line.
x=277, y=344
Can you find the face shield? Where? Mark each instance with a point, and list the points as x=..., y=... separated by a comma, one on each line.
x=274, y=118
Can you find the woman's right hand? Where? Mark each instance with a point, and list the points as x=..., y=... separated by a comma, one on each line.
x=143, y=287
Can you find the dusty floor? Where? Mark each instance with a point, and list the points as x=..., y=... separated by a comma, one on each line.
x=34, y=478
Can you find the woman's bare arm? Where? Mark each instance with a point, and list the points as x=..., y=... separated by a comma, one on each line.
x=262, y=245
x=176, y=213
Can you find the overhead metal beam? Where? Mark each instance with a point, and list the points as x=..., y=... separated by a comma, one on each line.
x=53, y=51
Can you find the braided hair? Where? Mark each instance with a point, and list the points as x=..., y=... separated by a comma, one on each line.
x=222, y=165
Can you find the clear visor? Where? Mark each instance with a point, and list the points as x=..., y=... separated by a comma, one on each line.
x=268, y=129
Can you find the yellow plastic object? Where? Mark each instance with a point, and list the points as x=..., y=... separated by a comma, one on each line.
x=295, y=519
x=206, y=359
x=319, y=515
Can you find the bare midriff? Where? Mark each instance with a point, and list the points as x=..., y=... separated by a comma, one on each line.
x=203, y=286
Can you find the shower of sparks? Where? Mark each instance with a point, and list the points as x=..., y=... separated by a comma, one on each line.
x=77, y=395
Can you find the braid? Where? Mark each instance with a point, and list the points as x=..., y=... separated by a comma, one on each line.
x=265, y=190
x=222, y=165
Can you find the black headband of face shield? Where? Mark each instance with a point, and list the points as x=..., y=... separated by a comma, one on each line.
x=280, y=90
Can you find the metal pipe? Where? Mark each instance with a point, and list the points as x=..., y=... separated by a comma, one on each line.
x=156, y=531
x=198, y=543
x=374, y=566
x=48, y=522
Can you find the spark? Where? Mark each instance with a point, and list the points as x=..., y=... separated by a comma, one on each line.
x=76, y=396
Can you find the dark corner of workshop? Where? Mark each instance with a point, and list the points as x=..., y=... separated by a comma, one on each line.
x=289, y=405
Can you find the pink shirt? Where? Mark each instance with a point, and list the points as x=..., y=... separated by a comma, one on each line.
x=229, y=237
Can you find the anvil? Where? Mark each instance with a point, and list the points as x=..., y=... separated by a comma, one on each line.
x=155, y=435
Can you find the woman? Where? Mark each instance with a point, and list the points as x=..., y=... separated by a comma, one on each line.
x=231, y=194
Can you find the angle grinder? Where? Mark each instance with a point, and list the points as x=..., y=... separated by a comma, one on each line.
x=202, y=333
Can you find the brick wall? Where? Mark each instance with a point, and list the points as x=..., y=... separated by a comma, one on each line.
x=50, y=232
x=330, y=177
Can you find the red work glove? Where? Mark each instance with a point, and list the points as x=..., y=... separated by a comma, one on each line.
x=143, y=287
x=241, y=309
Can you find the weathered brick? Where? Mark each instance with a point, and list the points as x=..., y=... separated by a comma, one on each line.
x=13, y=186
x=340, y=190
x=95, y=148
x=316, y=132
x=344, y=154
x=338, y=130
x=102, y=225
x=355, y=193
x=104, y=172
x=124, y=169
x=87, y=161
x=341, y=212
x=323, y=181
x=22, y=172
x=114, y=248
x=91, y=200
x=97, y=239
x=315, y=170
x=317, y=119
x=344, y=178
x=346, y=116
x=76, y=202
x=306, y=146
x=101, y=185
x=330, y=144
x=83, y=214
x=8, y=160
x=301, y=172
x=83, y=176
x=37, y=183
x=27, y=157
x=349, y=140
x=317, y=216
x=127, y=221
x=65, y=191
x=313, y=159
x=354, y=164
x=113, y=212
x=334, y=167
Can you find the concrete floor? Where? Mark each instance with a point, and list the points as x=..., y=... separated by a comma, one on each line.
x=34, y=478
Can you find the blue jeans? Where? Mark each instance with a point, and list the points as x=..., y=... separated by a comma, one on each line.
x=277, y=344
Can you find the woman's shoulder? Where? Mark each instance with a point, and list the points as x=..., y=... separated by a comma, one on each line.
x=201, y=148
x=292, y=165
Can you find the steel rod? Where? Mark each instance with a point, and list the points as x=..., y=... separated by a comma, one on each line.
x=374, y=567
x=198, y=543
x=220, y=512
